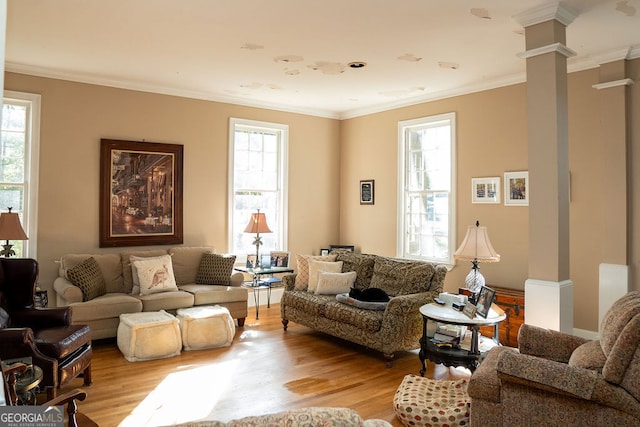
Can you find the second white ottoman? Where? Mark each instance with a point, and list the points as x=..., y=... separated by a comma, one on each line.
x=149, y=335
x=206, y=327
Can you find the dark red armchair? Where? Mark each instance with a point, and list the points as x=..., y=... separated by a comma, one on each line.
x=62, y=350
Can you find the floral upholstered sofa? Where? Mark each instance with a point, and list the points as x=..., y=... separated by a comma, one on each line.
x=393, y=327
x=100, y=287
x=313, y=416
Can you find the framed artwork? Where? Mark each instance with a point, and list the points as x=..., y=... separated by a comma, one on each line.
x=140, y=193
x=516, y=188
x=324, y=251
x=342, y=248
x=279, y=259
x=367, y=192
x=485, y=299
x=485, y=190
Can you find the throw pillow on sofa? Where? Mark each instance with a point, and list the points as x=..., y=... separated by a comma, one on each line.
x=315, y=267
x=155, y=275
x=215, y=269
x=302, y=273
x=335, y=283
x=88, y=277
x=135, y=290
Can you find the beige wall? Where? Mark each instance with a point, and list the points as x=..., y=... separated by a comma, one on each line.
x=76, y=116
x=327, y=159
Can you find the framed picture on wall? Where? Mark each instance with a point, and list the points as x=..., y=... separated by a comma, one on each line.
x=349, y=248
x=485, y=190
x=140, y=193
x=516, y=188
x=367, y=192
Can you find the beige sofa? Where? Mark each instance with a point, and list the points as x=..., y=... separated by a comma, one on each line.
x=397, y=327
x=102, y=313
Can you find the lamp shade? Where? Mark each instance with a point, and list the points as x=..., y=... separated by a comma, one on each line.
x=257, y=224
x=10, y=227
x=476, y=246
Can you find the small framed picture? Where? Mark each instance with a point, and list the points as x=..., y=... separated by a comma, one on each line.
x=279, y=259
x=342, y=248
x=252, y=261
x=485, y=299
x=367, y=192
x=469, y=310
x=485, y=190
x=516, y=188
x=324, y=252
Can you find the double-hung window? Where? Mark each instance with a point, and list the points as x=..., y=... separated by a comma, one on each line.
x=19, y=150
x=426, y=217
x=257, y=180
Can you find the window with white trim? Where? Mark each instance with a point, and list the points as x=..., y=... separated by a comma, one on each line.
x=427, y=190
x=19, y=152
x=257, y=180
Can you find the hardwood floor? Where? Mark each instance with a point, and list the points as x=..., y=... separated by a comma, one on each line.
x=265, y=370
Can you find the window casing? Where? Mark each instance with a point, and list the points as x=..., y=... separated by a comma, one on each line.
x=19, y=154
x=427, y=188
x=257, y=180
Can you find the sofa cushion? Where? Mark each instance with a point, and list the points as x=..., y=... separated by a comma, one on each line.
x=88, y=277
x=362, y=264
x=127, y=276
x=110, y=266
x=171, y=300
x=316, y=267
x=335, y=283
x=155, y=275
x=588, y=356
x=401, y=277
x=302, y=273
x=105, y=307
x=311, y=304
x=215, y=294
x=367, y=320
x=215, y=269
x=186, y=260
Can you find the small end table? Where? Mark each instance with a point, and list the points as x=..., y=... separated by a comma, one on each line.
x=258, y=284
x=454, y=356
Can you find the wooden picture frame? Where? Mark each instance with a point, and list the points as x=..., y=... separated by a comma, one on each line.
x=485, y=299
x=367, y=192
x=470, y=310
x=324, y=251
x=140, y=193
x=485, y=190
x=516, y=188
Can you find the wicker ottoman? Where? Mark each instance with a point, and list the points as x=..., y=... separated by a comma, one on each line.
x=206, y=327
x=424, y=402
x=149, y=335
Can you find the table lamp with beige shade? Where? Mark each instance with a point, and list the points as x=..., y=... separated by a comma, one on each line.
x=10, y=229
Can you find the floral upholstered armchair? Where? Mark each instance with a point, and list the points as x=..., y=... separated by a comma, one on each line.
x=559, y=379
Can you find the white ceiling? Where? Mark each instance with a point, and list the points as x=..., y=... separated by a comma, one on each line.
x=292, y=55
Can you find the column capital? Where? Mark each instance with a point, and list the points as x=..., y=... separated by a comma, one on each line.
x=554, y=47
x=546, y=12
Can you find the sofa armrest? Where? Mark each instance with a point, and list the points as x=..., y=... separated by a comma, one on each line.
x=403, y=304
x=547, y=375
x=237, y=279
x=67, y=291
x=288, y=281
x=548, y=344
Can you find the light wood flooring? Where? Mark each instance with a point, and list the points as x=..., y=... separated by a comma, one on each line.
x=265, y=370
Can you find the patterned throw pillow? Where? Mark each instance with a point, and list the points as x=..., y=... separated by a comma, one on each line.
x=155, y=275
x=215, y=269
x=302, y=273
x=316, y=267
x=88, y=277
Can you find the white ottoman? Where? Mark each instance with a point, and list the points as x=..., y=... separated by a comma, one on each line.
x=149, y=335
x=206, y=327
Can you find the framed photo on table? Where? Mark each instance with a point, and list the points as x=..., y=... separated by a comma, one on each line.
x=140, y=193
x=485, y=299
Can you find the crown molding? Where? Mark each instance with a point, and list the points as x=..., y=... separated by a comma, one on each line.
x=546, y=12
x=551, y=48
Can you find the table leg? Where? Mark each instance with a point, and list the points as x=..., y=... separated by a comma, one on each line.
x=423, y=344
x=256, y=300
x=269, y=296
x=475, y=348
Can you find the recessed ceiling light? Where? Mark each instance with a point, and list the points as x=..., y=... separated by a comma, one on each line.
x=357, y=64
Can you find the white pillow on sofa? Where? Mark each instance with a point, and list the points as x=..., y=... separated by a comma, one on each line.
x=335, y=283
x=154, y=274
x=315, y=267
